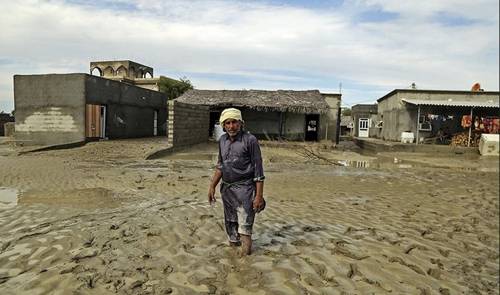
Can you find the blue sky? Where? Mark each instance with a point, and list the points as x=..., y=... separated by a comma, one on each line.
x=368, y=46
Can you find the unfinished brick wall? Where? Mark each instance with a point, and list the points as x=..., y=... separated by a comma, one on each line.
x=187, y=124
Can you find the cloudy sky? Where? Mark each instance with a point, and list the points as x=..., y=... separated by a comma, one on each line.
x=368, y=46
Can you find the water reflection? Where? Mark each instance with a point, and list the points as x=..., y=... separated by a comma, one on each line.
x=356, y=164
x=8, y=196
x=406, y=164
x=190, y=156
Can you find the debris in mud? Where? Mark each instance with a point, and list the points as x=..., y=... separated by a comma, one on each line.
x=79, y=254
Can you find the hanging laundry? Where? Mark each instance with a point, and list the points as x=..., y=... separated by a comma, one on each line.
x=495, y=125
x=466, y=121
x=481, y=124
x=486, y=123
x=476, y=123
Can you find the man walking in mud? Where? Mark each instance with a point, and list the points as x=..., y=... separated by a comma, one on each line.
x=239, y=167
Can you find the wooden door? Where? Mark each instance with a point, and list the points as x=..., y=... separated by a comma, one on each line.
x=93, y=121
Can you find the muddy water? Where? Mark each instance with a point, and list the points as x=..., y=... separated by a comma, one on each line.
x=190, y=156
x=471, y=163
x=395, y=163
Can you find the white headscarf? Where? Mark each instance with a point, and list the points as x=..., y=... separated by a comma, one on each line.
x=230, y=113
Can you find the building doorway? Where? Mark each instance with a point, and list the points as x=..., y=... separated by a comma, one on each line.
x=363, y=127
x=312, y=127
x=95, y=121
x=214, y=119
x=103, y=121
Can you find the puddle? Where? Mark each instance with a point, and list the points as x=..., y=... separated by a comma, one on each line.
x=8, y=196
x=88, y=198
x=376, y=163
x=407, y=164
x=357, y=164
x=192, y=156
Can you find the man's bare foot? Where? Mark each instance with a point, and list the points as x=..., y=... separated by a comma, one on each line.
x=246, y=245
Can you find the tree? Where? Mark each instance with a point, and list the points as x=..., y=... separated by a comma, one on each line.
x=346, y=112
x=174, y=88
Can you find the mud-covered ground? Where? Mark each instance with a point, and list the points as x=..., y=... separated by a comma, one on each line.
x=100, y=219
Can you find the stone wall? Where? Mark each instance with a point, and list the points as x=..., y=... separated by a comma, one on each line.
x=187, y=124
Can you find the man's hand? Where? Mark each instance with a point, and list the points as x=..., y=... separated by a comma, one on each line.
x=213, y=185
x=258, y=203
x=211, y=195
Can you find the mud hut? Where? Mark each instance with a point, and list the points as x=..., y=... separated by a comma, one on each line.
x=284, y=114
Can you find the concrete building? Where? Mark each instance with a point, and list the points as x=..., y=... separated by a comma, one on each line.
x=364, y=117
x=425, y=112
x=67, y=108
x=126, y=71
x=286, y=114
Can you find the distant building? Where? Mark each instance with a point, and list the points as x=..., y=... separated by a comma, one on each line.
x=126, y=71
x=426, y=113
x=364, y=117
x=346, y=126
x=286, y=114
x=5, y=118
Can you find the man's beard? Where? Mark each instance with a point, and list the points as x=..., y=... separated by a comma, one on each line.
x=233, y=132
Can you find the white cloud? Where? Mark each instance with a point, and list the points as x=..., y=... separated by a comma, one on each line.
x=258, y=45
x=478, y=9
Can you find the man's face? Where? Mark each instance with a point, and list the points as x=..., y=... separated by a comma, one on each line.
x=232, y=126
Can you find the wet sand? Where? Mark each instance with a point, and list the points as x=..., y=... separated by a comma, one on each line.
x=100, y=219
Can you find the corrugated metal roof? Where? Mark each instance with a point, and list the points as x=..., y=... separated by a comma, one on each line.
x=453, y=103
x=433, y=91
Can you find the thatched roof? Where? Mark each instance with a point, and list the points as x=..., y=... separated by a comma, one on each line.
x=308, y=101
x=346, y=121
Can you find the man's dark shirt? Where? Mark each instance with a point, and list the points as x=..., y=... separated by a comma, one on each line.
x=240, y=160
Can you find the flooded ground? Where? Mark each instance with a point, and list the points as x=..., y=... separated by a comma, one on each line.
x=100, y=219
